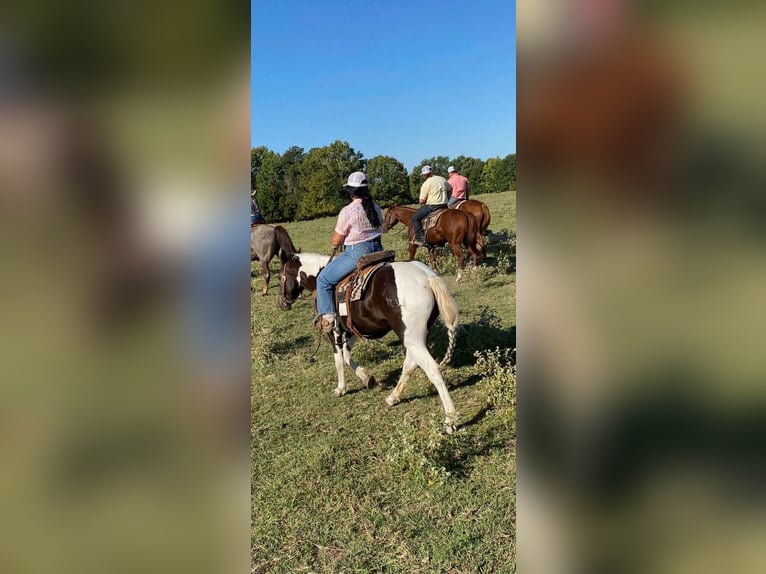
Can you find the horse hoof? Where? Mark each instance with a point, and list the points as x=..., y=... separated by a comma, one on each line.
x=450, y=427
x=338, y=393
x=391, y=401
x=370, y=383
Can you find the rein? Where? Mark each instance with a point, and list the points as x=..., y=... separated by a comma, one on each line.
x=312, y=358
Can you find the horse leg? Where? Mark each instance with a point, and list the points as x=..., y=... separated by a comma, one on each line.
x=337, y=353
x=432, y=256
x=474, y=255
x=426, y=362
x=482, y=246
x=412, y=248
x=458, y=251
x=368, y=380
x=410, y=364
x=266, y=276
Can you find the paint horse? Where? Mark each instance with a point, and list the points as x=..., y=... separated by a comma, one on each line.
x=266, y=241
x=453, y=227
x=404, y=297
x=480, y=211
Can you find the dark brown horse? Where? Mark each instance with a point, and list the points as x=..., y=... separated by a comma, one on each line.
x=266, y=241
x=404, y=297
x=481, y=212
x=454, y=227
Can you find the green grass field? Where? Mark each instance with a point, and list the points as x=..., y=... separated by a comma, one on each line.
x=345, y=485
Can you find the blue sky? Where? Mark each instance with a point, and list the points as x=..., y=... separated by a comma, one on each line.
x=407, y=79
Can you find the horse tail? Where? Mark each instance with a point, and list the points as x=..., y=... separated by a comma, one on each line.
x=485, y=218
x=448, y=311
x=283, y=241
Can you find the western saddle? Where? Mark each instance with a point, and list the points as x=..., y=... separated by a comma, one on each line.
x=353, y=286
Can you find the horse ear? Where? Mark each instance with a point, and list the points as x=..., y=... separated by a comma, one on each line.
x=299, y=249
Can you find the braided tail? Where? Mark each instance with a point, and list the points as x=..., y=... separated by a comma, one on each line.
x=448, y=311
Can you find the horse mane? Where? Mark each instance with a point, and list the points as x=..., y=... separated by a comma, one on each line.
x=283, y=241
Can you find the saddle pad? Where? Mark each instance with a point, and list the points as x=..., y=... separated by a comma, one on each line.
x=432, y=219
x=357, y=283
x=457, y=204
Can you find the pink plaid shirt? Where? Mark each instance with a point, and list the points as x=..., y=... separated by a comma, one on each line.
x=459, y=185
x=353, y=223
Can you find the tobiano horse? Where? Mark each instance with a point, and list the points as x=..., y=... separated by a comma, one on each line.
x=480, y=211
x=454, y=227
x=266, y=241
x=403, y=297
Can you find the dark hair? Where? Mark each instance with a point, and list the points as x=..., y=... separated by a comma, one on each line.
x=368, y=204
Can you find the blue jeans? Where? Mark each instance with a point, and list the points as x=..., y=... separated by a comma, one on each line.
x=417, y=225
x=452, y=200
x=338, y=268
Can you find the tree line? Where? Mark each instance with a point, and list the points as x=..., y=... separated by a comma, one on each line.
x=299, y=185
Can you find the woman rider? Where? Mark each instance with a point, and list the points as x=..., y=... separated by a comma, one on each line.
x=358, y=229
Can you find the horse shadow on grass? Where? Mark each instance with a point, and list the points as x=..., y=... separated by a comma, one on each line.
x=430, y=390
x=287, y=347
x=459, y=454
x=484, y=333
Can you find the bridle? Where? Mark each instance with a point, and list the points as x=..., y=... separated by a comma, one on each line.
x=282, y=300
x=387, y=226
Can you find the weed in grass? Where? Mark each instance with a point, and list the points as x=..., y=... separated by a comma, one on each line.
x=498, y=367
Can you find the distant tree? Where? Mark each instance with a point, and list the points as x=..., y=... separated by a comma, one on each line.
x=322, y=174
x=256, y=160
x=268, y=186
x=499, y=174
x=509, y=170
x=291, y=191
x=388, y=180
x=439, y=165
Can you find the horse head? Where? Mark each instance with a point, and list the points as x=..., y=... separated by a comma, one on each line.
x=290, y=286
x=390, y=219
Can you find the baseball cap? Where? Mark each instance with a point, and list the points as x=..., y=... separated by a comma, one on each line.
x=426, y=169
x=357, y=179
x=451, y=168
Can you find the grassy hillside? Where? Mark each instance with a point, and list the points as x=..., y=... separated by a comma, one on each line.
x=344, y=485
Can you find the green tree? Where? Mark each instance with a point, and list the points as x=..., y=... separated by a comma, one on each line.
x=322, y=174
x=509, y=171
x=268, y=186
x=499, y=174
x=291, y=190
x=491, y=176
x=256, y=160
x=388, y=180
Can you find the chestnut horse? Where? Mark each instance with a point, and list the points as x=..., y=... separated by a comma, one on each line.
x=403, y=297
x=481, y=212
x=454, y=227
x=266, y=241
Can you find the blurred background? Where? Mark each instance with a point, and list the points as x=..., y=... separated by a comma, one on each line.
x=124, y=184
x=124, y=402
x=642, y=316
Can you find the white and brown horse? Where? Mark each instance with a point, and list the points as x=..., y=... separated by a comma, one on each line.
x=404, y=297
